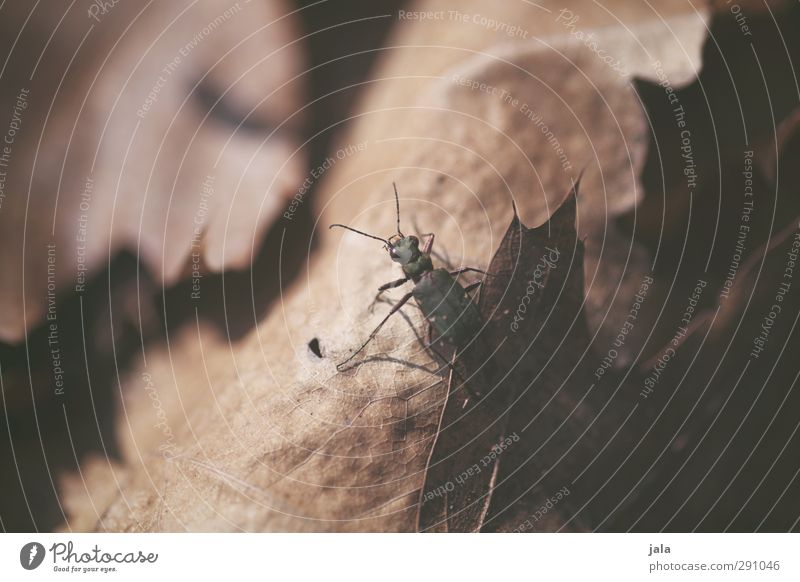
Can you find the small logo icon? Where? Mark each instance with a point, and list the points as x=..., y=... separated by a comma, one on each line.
x=31, y=555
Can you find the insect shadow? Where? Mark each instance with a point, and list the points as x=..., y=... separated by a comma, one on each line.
x=423, y=339
x=445, y=303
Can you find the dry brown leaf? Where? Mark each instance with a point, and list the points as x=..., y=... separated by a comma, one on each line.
x=270, y=437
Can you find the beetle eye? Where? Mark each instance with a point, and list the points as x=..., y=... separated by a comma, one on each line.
x=414, y=240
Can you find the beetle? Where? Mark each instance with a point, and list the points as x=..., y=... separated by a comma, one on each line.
x=444, y=302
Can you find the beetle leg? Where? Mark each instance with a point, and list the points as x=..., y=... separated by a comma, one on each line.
x=447, y=362
x=472, y=286
x=428, y=345
x=426, y=248
x=375, y=331
x=384, y=287
x=428, y=334
x=428, y=244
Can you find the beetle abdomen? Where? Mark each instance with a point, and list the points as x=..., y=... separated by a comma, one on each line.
x=445, y=303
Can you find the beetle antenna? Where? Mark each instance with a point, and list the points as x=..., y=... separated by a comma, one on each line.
x=397, y=206
x=383, y=240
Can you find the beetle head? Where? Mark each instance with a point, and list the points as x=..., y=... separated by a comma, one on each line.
x=404, y=249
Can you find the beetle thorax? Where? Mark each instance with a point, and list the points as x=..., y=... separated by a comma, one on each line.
x=405, y=251
x=415, y=269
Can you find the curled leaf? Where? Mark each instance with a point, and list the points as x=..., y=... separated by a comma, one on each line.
x=531, y=303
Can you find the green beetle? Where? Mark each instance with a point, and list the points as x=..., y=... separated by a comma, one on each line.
x=443, y=301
